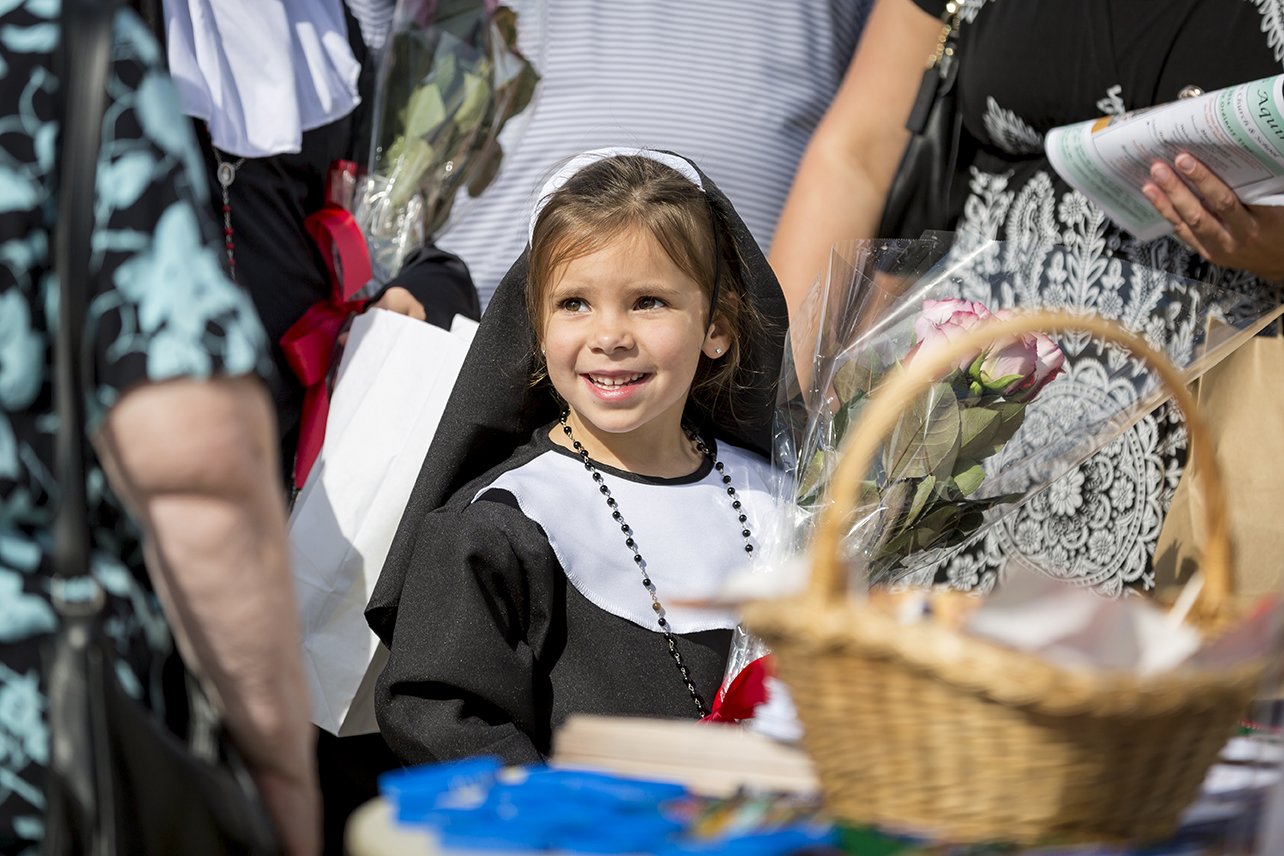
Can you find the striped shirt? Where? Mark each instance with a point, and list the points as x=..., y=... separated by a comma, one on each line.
x=736, y=85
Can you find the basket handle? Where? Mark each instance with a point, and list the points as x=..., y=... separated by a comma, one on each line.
x=828, y=578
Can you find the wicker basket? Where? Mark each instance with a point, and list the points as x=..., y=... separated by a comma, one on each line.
x=924, y=728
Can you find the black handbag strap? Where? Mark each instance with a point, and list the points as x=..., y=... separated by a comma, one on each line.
x=941, y=70
x=83, y=62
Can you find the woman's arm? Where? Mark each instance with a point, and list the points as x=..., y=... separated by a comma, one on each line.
x=195, y=462
x=844, y=176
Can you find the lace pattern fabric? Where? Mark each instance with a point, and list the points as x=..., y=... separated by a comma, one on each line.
x=1098, y=525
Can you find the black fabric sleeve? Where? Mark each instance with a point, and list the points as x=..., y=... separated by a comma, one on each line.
x=473, y=615
x=935, y=8
x=441, y=282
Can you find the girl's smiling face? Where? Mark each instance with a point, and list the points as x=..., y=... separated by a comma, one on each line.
x=624, y=328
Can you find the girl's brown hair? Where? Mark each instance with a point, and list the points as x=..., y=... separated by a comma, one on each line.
x=608, y=198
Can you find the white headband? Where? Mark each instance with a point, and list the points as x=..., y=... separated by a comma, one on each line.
x=577, y=163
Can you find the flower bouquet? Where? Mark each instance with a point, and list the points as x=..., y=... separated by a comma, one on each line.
x=1005, y=427
x=451, y=80
x=1015, y=453
x=931, y=469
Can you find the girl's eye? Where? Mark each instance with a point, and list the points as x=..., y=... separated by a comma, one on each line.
x=649, y=303
x=572, y=304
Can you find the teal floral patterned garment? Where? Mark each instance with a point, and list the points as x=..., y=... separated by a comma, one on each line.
x=162, y=308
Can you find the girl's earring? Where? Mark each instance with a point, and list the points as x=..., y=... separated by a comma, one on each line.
x=717, y=352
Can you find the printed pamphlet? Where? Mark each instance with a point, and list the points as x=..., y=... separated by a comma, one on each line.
x=1237, y=132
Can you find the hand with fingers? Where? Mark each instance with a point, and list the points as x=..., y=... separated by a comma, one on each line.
x=1219, y=227
x=399, y=300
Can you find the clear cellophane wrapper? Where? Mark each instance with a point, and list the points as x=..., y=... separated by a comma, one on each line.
x=455, y=87
x=942, y=491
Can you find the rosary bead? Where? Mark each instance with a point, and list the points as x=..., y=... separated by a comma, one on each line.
x=637, y=556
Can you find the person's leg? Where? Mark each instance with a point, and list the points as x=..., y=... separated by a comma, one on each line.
x=349, y=769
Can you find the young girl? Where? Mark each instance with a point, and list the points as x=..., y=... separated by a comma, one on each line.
x=616, y=403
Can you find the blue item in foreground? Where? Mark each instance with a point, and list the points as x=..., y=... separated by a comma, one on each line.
x=475, y=805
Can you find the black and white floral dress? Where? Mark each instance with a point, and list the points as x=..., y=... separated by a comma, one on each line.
x=1027, y=66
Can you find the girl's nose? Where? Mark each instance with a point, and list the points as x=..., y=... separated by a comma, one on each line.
x=611, y=332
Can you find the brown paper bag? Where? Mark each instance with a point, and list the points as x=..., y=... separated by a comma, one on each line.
x=1242, y=400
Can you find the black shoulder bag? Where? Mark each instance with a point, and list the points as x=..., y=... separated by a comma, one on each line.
x=927, y=191
x=120, y=781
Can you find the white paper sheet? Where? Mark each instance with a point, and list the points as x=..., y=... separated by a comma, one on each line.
x=394, y=379
x=1076, y=628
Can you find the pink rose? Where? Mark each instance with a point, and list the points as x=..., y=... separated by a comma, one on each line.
x=1032, y=360
x=1049, y=363
x=1014, y=358
x=942, y=322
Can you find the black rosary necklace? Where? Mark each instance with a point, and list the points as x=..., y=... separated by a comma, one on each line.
x=736, y=506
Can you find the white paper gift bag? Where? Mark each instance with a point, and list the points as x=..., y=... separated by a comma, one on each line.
x=394, y=379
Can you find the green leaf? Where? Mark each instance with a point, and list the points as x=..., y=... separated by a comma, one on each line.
x=857, y=376
x=476, y=92
x=843, y=417
x=978, y=425
x=810, y=482
x=926, y=488
x=936, y=523
x=969, y=479
x=897, y=498
x=926, y=436
x=415, y=159
x=1011, y=414
x=505, y=22
x=1002, y=383
x=425, y=110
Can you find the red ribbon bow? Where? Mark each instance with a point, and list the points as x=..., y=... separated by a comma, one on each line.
x=746, y=691
x=309, y=344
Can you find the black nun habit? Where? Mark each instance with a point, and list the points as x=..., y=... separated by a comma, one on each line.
x=487, y=601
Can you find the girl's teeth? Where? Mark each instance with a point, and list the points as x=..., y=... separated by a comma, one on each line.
x=619, y=381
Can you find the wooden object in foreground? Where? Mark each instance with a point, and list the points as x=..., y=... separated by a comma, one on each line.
x=712, y=759
x=925, y=728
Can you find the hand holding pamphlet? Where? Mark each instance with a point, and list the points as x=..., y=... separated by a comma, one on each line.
x=1237, y=132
